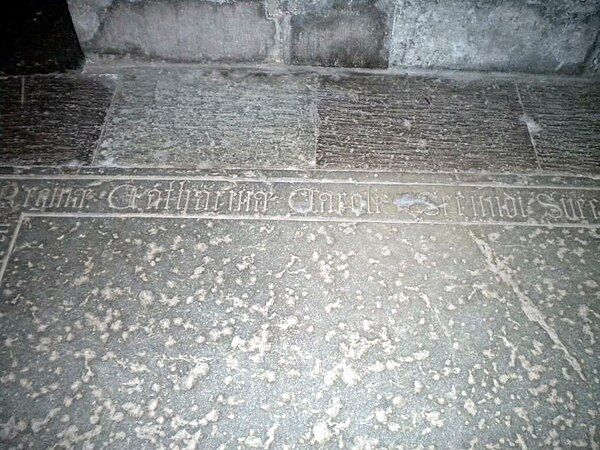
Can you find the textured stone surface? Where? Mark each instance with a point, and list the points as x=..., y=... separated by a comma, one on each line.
x=345, y=37
x=346, y=33
x=553, y=36
x=181, y=118
x=49, y=120
x=37, y=36
x=379, y=323
x=593, y=65
x=564, y=122
x=422, y=124
x=179, y=30
x=504, y=35
x=194, y=117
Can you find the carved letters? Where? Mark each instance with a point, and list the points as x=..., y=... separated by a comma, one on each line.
x=318, y=201
x=186, y=198
x=14, y=196
x=310, y=198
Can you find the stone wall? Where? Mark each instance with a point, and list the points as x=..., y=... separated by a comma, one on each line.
x=542, y=36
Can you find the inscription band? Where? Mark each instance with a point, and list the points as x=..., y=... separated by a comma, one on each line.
x=418, y=203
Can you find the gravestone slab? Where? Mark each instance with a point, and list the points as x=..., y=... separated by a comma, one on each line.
x=298, y=310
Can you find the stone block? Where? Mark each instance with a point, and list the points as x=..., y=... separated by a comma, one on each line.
x=184, y=30
x=564, y=123
x=341, y=37
x=499, y=35
x=413, y=123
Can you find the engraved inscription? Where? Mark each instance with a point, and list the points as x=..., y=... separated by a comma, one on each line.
x=316, y=201
x=187, y=198
x=57, y=197
x=8, y=195
x=13, y=195
x=306, y=199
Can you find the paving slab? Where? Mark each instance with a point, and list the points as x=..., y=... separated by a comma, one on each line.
x=220, y=118
x=245, y=309
x=200, y=116
x=417, y=123
x=52, y=119
x=564, y=123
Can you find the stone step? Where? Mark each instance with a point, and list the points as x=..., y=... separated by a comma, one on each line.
x=500, y=35
x=198, y=117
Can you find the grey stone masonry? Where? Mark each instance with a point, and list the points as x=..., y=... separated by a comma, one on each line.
x=503, y=35
x=498, y=35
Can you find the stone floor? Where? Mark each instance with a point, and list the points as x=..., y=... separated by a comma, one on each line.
x=219, y=117
x=215, y=258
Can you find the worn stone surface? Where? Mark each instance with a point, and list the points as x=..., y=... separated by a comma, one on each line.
x=380, y=311
x=199, y=117
x=179, y=31
x=564, y=122
x=50, y=120
x=593, y=64
x=37, y=36
x=512, y=35
x=352, y=36
x=191, y=118
x=422, y=124
x=346, y=33
x=552, y=36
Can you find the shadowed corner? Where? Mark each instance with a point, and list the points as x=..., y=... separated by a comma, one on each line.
x=38, y=37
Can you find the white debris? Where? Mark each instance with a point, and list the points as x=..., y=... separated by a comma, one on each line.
x=212, y=416
x=335, y=408
x=533, y=128
x=470, y=407
x=198, y=371
x=271, y=435
x=381, y=416
x=321, y=433
x=435, y=419
x=253, y=442
x=344, y=372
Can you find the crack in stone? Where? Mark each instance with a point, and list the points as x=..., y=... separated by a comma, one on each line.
x=499, y=267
